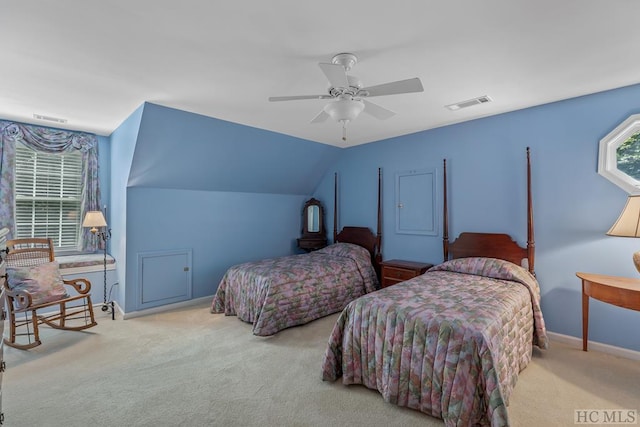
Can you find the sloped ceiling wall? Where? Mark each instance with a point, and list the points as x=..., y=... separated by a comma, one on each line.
x=181, y=150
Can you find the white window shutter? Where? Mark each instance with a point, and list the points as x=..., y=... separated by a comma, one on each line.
x=49, y=196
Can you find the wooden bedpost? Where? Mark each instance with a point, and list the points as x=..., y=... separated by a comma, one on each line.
x=379, y=232
x=531, y=244
x=335, y=207
x=445, y=214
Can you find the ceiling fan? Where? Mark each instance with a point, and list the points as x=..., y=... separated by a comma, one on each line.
x=348, y=96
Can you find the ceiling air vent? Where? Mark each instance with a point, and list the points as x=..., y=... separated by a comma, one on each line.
x=468, y=103
x=49, y=118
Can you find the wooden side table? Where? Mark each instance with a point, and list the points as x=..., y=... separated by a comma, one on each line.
x=312, y=243
x=620, y=291
x=397, y=270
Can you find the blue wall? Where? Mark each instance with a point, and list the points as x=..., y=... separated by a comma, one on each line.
x=104, y=170
x=228, y=192
x=181, y=150
x=97, y=284
x=573, y=205
x=233, y=193
x=221, y=229
x=123, y=144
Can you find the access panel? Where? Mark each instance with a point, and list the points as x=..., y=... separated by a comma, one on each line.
x=164, y=277
x=415, y=202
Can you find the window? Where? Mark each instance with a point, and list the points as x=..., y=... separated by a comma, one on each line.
x=49, y=196
x=619, y=158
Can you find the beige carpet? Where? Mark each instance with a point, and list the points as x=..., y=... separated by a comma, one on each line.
x=191, y=368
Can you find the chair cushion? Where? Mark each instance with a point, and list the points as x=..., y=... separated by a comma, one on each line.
x=43, y=282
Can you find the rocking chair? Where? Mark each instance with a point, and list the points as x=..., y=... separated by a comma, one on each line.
x=32, y=261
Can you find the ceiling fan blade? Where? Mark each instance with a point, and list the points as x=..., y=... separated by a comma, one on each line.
x=336, y=74
x=377, y=111
x=321, y=117
x=294, y=98
x=393, y=88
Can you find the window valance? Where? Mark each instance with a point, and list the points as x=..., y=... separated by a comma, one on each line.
x=47, y=140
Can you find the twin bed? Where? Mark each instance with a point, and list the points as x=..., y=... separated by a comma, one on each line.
x=279, y=293
x=449, y=343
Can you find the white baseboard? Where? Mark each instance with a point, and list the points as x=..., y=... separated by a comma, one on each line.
x=596, y=346
x=163, y=308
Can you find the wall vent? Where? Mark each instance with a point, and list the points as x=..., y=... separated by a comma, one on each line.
x=468, y=103
x=49, y=118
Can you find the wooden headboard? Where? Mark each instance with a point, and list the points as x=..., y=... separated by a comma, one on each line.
x=361, y=236
x=491, y=245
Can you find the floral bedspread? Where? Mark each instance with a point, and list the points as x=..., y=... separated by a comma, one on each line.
x=278, y=293
x=449, y=343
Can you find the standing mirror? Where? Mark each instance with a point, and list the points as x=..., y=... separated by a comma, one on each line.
x=313, y=218
x=314, y=235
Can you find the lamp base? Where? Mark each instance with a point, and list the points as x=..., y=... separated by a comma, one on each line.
x=110, y=306
x=636, y=260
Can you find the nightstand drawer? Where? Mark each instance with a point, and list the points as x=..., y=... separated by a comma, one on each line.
x=398, y=274
x=396, y=271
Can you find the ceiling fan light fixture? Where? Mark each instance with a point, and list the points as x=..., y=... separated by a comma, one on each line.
x=343, y=88
x=344, y=110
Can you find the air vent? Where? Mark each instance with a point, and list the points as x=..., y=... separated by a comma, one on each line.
x=49, y=118
x=468, y=103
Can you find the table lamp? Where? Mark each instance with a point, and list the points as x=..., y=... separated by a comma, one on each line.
x=628, y=224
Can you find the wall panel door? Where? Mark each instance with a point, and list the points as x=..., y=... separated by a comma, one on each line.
x=164, y=277
x=416, y=202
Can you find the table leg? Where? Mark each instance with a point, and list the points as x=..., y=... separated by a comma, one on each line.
x=585, y=319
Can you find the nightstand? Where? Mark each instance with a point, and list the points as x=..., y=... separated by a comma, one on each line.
x=397, y=270
x=310, y=244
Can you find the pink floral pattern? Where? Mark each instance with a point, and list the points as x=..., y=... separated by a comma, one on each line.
x=278, y=293
x=449, y=343
x=43, y=282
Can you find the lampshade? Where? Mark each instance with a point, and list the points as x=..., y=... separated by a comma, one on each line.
x=344, y=110
x=94, y=219
x=628, y=224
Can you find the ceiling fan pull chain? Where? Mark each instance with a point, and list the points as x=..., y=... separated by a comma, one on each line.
x=344, y=130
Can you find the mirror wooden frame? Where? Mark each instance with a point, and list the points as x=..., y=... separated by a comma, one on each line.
x=312, y=240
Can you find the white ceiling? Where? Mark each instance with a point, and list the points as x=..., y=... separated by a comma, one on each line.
x=94, y=62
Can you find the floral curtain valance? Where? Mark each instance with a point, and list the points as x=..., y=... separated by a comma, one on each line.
x=47, y=140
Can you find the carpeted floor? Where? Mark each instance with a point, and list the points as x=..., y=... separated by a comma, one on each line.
x=188, y=367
